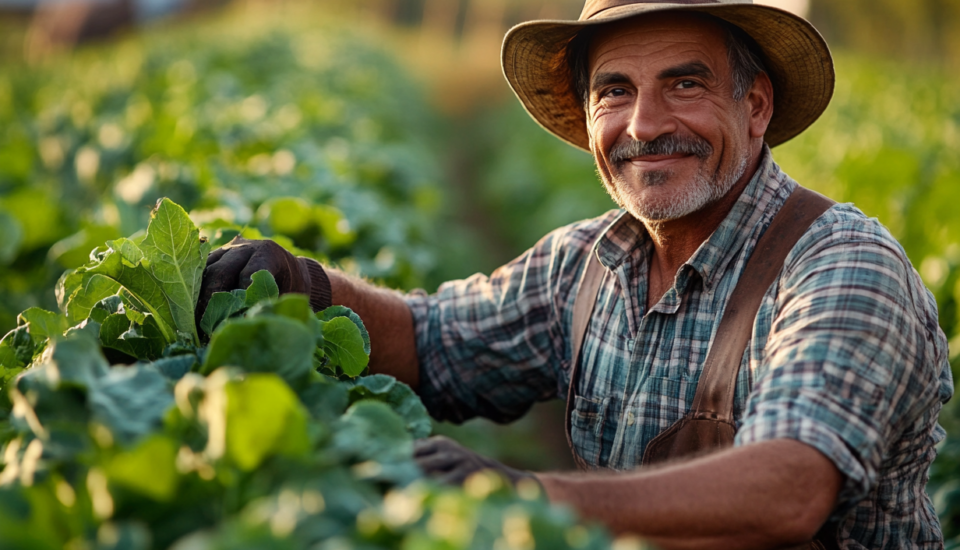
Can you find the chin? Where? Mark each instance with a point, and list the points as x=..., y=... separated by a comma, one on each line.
x=660, y=197
x=663, y=203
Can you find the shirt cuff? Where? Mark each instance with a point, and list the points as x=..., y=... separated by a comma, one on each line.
x=789, y=423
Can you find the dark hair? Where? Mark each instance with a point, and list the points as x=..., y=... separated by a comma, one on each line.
x=743, y=54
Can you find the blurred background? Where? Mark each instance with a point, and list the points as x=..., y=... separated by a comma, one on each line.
x=379, y=135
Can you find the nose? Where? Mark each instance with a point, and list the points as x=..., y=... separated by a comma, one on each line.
x=650, y=118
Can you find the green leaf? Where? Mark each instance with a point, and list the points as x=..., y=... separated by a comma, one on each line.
x=149, y=468
x=264, y=417
x=370, y=430
x=78, y=293
x=11, y=235
x=131, y=401
x=17, y=348
x=344, y=345
x=333, y=312
x=143, y=342
x=176, y=367
x=286, y=215
x=221, y=306
x=177, y=258
x=292, y=306
x=163, y=273
x=123, y=263
x=77, y=361
x=325, y=398
x=42, y=323
x=334, y=225
x=262, y=287
x=268, y=343
x=401, y=399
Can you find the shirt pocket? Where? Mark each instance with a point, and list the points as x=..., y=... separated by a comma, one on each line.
x=586, y=428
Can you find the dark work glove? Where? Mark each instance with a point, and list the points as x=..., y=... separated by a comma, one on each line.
x=449, y=462
x=231, y=267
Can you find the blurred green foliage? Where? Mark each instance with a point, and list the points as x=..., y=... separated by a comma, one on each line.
x=285, y=126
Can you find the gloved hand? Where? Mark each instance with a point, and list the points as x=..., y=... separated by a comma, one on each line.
x=232, y=266
x=449, y=462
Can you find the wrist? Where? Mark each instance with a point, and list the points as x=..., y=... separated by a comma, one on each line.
x=320, y=294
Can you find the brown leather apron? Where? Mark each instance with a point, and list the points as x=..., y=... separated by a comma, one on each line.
x=709, y=426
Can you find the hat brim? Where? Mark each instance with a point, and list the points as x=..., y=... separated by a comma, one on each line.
x=797, y=58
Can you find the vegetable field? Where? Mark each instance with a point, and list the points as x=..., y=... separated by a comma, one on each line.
x=294, y=129
x=249, y=431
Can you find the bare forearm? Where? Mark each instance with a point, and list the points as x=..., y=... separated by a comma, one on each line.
x=389, y=322
x=759, y=496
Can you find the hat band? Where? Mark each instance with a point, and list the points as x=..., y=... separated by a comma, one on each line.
x=595, y=7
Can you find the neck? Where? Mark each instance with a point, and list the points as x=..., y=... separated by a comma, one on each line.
x=675, y=241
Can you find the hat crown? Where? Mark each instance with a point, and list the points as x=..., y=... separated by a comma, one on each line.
x=594, y=7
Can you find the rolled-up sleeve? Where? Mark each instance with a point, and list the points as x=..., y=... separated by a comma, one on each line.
x=492, y=346
x=854, y=357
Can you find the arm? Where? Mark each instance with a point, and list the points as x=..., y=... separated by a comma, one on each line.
x=388, y=320
x=759, y=496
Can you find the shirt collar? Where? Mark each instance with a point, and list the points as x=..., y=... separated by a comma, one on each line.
x=760, y=201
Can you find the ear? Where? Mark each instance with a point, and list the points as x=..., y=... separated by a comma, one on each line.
x=760, y=104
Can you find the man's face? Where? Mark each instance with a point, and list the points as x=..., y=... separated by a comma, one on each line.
x=667, y=135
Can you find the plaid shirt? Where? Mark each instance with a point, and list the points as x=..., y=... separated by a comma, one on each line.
x=846, y=354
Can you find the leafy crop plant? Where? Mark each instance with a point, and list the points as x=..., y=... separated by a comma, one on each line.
x=127, y=426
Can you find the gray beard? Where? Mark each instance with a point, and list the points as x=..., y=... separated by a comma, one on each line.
x=704, y=191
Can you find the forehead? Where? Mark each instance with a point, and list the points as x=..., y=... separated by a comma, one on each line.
x=659, y=40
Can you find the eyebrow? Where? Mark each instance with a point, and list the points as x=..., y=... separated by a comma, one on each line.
x=694, y=68
x=605, y=79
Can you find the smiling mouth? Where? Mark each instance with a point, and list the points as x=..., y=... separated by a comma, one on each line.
x=651, y=161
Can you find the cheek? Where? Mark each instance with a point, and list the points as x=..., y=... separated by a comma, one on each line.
x=604, y=133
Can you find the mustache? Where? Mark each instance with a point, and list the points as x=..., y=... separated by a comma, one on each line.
x=667, y=144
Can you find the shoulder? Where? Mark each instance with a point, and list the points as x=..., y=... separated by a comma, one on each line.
x=843, y=233
x=847, y=252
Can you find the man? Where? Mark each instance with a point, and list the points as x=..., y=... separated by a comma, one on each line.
x=839, y=389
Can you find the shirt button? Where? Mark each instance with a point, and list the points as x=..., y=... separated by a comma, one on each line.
x=631, y=419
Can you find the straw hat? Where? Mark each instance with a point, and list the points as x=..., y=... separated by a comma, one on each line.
x=797, y=59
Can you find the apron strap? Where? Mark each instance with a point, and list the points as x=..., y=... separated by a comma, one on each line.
x=583, y=305
x=717, y=387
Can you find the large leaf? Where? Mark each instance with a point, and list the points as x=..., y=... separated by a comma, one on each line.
x=264, y=417
x=176, y=258
x=149, y=468
x=268, y=343
x=124, y=263
x=163, y=272
x=344, y=345
x=399, y=396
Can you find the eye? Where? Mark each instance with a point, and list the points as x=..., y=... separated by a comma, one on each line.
x=687, y=84
x=615, y=92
